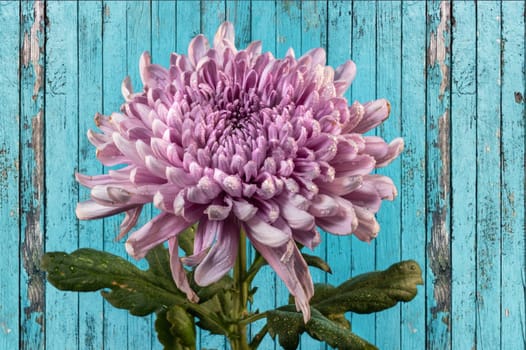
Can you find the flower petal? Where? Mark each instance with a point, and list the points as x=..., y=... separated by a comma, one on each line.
x=265, y=233
x=221, y=257
x=297, y=218
x=89, y=210
x=290, y=266
x=129, y=221
x=197, y=48
x=368, y=227
x=178, y=271
x=152, y=75
x=343, y=76
x=375, y=113
x=161, y=228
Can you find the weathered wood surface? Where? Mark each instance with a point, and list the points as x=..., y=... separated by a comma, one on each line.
x=454, y=73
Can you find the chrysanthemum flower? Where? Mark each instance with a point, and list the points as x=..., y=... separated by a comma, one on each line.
x=236, y=139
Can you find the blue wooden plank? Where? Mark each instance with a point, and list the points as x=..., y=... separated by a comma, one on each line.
x=239, y=13
x=363, y=89
x=61, y=156
x=412, y=189
x=388, y=83
x=138, y=40
x=188, y=24
x=114, y=70
x=339, y=30
x=438, y=269
x=31, y=176
x=314, y=34
x=213, y=13
x=90, y=309
x=288, y=29
x=513, y=89
x=463, y=178
x=163, y=31
x=10, y=14
x=263, y=24
x=488, y=179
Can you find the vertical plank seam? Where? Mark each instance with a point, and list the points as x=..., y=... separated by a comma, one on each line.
x=400, y=101
x=20, y=31
x=78, y=160
x=477, y=316
x=103, y=225
x=426, y=178
x=501, y=161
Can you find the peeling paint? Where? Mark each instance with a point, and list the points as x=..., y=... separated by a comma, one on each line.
x=32, y=247
x=440, y=260
x=438, y=46
x=518, y=97
x=33, y=46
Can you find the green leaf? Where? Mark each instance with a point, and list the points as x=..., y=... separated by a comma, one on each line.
x=126, y=286
x=175, y=329
x=288, y=325
x=370, y=292
x=185, y=239
x=317, y=262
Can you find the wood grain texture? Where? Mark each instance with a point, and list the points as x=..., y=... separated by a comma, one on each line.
x=363, y=89
x=438, y=186
x=512, y=141
x=32, y=178
x=453, y=71
x=61, y=152
x=488, y=179
x=463, y=178
x=90, y=307
x=412, y=191
x=10, y=216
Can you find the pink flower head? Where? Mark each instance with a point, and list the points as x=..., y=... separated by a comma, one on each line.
x=236, y=139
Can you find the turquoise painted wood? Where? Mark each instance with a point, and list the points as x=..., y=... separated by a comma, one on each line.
x=453, y=71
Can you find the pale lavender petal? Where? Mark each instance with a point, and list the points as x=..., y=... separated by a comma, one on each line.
x=394, y=149
x=243, y=210
x=324, y=205
x=343, y=76
x=221, y=257
x=368, y=227
x=89, y=210
x=178, y=271
x=310, y=239
x=375, y=112
x=341, y=224
x=297, y=219
x=129, y=221
x=158, y=230
x=219, y=211
x=265, y=233
x=290, y=266
x=197, y=48
x=152, y=75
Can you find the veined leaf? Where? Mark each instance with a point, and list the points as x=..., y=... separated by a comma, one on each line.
x=288, y=325
x=175, y=329
x=124, y=285
x=370, y=292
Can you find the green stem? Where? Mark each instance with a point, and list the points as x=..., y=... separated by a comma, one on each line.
x=258, y=263
x=239, y=338
x=258, y=337
x=253, y=318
